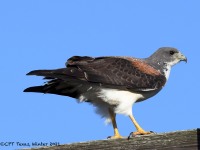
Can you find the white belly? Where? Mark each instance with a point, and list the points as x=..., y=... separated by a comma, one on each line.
x=120, y=101
x=123, y=100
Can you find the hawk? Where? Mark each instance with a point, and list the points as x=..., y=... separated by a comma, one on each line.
x=111, y=84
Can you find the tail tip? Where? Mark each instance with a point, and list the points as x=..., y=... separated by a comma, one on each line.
x=31, y=72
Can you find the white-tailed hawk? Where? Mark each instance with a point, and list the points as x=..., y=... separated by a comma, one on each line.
x=111, y=84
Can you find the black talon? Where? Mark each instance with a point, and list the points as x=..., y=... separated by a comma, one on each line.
x=109, y=137
x=130, y=135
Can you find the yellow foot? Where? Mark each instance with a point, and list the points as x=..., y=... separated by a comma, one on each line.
x=142, y=132
x=115, y=137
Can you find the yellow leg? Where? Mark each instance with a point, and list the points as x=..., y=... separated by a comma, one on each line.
x=139, y=131
x=116, y=132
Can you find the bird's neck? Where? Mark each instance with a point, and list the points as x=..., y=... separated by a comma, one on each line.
x=164, y=68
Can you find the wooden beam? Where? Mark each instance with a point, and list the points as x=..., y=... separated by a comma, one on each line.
x=181, y=140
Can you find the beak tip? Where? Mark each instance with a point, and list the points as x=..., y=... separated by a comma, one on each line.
x=185, y=59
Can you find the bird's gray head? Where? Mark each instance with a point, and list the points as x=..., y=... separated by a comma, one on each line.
x=165, y=57
x=168, y=55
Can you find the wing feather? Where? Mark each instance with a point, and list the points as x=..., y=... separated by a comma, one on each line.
x=118, y=71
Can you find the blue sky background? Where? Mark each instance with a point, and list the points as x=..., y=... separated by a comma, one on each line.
x=44, y=34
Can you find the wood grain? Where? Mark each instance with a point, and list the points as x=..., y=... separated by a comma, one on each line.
x=178, y=140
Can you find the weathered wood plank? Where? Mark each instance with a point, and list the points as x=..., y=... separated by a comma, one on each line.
x=179, y=140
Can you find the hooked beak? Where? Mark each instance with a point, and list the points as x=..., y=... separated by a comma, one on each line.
x=182, y=58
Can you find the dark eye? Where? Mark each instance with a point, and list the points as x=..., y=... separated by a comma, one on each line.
x=171, y=52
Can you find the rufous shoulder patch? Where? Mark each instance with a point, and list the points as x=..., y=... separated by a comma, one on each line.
x=143, y=67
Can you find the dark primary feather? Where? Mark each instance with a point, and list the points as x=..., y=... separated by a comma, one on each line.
x=69, y=87
x=111, y=72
